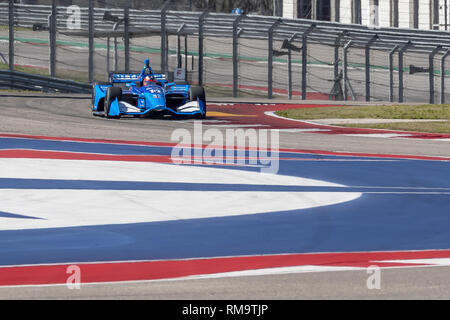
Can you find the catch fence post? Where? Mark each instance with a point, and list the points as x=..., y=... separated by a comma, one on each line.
x=367, y=64
x=163, y=64
x=431, y=72
x=236, y=33
x=180, y=29
x=52, y=40
x=11, y=34
x=442, y=101
x=201, y=21
x=290, y=46
x=305, y=58
x=91, y=41
x=337, y=45
x=400, y=69
x=270, y=59
x=345, y=68
x=391, y=73
x=126, y=38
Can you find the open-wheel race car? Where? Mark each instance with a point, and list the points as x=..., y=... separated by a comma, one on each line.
x=144, y=94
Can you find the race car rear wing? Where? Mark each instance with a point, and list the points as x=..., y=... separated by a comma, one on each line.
x=115, y=77
x=161, y=77
x=124, y=77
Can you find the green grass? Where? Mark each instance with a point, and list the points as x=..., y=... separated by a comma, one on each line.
x=60, y=73
x=38, y=71
x=377, y=112
x=432, y=127
x=16, y=28
x=435, y=112
x=19, y=91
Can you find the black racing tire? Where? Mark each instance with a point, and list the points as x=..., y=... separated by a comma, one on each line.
x=111, y=94
x=200, y=116
x=196, y=93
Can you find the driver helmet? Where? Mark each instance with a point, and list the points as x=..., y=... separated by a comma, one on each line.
x=148, y=80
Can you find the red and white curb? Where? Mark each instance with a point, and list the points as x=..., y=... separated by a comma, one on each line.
x=217, y=267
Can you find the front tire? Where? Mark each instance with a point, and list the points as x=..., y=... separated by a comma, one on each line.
x=198, y=93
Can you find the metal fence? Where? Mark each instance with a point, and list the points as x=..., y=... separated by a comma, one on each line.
x=25, y=81
x=230, y=54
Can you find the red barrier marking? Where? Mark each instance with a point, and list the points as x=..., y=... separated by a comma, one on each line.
x=61, y=155
x=169, y=269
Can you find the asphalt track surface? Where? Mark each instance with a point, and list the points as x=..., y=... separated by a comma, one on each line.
x=59, y=116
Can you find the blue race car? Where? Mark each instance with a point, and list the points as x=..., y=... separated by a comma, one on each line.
x=146, y=93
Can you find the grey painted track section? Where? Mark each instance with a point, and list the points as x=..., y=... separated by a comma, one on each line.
x=62, y=117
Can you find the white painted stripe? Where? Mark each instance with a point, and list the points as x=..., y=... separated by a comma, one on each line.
x=379, y=135
x=272, y=271
x=238, y=125
x=142, y=171
x=407, y=192
x=206, y=121
x=432, y=261
x=273, y=114
x=68, y=208
x=302, y=130
x=341, y=121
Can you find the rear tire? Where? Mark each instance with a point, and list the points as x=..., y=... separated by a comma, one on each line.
x=196, y=93
x=111, y=94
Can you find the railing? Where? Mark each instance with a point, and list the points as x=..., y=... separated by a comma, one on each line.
x=216, y=24
x=249, y=52
x=25, y=81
